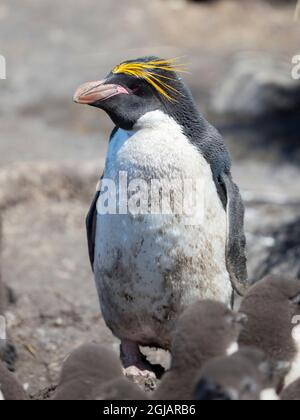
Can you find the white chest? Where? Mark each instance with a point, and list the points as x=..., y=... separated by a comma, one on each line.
x=232, y=349
x=159, y=263
x=269, y=394
x=156, y=148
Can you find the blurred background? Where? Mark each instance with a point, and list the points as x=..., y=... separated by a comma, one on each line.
x=239, y=55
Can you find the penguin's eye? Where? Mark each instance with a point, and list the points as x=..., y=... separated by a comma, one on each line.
x=135, y=88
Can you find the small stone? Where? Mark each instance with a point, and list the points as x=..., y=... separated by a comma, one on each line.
x=58, y=322
x=26, y=386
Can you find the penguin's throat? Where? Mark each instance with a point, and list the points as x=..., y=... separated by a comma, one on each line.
x=154, y=119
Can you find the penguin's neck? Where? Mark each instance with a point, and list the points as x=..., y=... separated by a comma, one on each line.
x=156, y=120
x=200, y=133
x=186, y=114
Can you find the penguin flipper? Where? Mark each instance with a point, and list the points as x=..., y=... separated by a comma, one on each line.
x=236, y=259
x=91, y=225
x=91, y=219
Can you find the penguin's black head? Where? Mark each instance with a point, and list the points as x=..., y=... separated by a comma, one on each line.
x=232, y=388
x=134, y=88
x=208, y=390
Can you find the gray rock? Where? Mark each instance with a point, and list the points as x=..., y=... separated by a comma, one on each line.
x=2, y=297
x=257, y=108
x=257, y=86
x=8, y=352
x=2, y=287
x=284, y=256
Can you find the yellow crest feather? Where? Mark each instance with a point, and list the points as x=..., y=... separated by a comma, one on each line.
x=146, y=71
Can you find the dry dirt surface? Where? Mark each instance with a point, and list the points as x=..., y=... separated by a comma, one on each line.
x=52, y=151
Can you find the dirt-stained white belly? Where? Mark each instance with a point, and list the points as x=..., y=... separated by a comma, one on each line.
x=150, y=267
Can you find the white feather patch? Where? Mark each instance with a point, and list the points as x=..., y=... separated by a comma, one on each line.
x=269, y=395
x=232, y=349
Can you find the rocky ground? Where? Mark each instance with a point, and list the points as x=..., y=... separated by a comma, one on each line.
x=51, y=151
